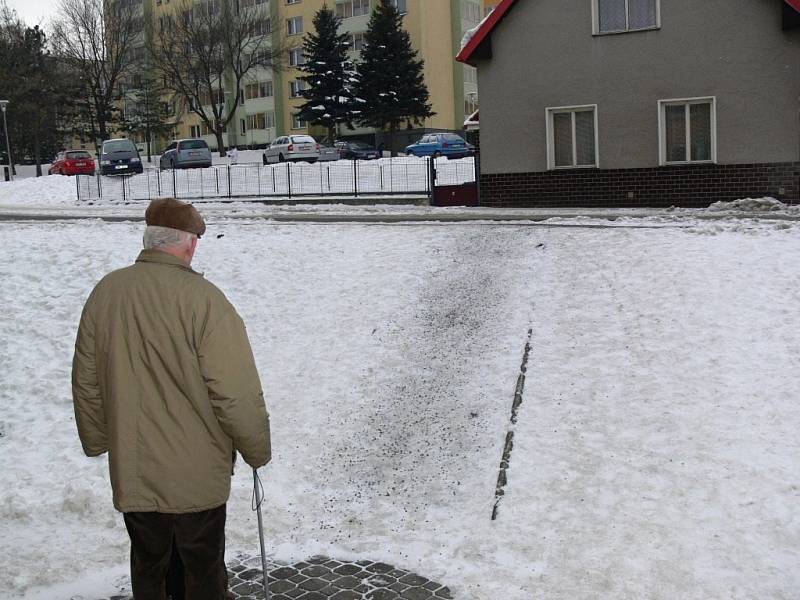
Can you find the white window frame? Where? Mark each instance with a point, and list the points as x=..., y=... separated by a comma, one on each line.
x=292, y=25
x=596, y=20
x=662, y=130
x=297, y=123
x=551, y=150
x=295, y=87
x=299, y=61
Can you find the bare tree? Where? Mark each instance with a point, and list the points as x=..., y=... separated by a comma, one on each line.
x=98, y=40
x=207, y=47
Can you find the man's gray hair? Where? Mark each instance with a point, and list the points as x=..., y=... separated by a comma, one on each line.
x=156, y=237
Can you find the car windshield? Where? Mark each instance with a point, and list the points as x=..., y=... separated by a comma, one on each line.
x=360, y=146
x=118, y=146
x=79, y=154
x=193, y=145
x=303, y=139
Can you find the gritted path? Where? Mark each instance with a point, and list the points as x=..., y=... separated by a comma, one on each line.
x=431, y=438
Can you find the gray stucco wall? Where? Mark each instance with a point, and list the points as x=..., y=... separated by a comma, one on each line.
x=544, y=55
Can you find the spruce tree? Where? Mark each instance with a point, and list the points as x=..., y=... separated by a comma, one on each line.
x=330, y=75
x=391, y=82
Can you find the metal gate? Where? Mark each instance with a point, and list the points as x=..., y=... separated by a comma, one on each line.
x=449, y=187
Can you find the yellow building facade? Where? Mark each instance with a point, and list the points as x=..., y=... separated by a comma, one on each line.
x=267, y=103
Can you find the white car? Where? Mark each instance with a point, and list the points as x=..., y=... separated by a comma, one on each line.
x=292, y=148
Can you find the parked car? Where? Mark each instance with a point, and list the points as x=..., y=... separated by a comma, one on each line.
x=119, y=157
x=328, y=152
x=357, y=150
x=72, y=162
x=441, y=144
x=292, y=148
x=185, y=154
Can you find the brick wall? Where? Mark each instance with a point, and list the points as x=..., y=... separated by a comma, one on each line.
x=680, y=185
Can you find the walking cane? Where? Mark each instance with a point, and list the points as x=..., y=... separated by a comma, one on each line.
x=258, y=493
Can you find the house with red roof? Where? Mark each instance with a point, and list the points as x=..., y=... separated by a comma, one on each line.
x=638, y=102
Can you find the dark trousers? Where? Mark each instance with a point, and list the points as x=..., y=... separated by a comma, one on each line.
x=198, y=538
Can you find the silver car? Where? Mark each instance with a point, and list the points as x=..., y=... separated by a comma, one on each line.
x=328, y=153
x=185, y=154
x=292, y=148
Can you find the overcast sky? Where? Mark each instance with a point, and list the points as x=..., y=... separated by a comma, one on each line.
x=34, y=12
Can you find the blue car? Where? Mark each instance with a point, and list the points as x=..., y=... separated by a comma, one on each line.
x=441, y=144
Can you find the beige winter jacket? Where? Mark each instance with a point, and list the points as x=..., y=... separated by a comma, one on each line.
x=164, y=380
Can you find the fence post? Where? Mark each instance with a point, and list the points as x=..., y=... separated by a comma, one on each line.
x=99, y=186
x=78, y=186
x=431, y=179
x=158, y=181
x=381, y=169
x=123, y=189
x=477, y=159
x=258, y=173
x=289, y=177
x=272, y=173
x=355, y=178
x=202, y=190
x=229, y=181
x=216, y=178
x=328, y=171
x=174, y=183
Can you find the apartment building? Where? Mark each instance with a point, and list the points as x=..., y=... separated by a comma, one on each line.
x=267, y=103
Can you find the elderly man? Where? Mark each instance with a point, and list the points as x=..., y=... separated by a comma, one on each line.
x=164, y=380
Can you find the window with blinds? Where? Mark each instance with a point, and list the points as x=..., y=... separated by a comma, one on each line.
x=572, y=137
x=618, y=16
x=687, y=130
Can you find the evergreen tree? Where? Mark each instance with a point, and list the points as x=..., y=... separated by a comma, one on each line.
x=330, y=75
x=35, y=88
x=391, y=81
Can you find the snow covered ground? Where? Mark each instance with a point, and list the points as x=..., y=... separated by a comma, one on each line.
x=656, y=452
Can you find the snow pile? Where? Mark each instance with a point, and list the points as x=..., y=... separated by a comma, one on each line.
x=758, y=205
x=470, y=33
x=50, y=189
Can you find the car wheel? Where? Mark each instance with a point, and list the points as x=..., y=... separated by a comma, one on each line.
x=172, y=164
x=264, y=159
x=437, y=154
x=280, y=158
x=311, y=161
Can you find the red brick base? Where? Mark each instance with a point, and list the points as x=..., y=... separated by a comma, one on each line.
x=684, y=185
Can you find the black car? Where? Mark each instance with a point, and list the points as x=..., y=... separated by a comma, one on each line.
x=120, y=157
x=357, y=150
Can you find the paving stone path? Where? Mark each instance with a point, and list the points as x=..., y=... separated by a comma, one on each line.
x=323, y=578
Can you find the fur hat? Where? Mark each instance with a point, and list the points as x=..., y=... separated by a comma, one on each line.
x=172, y=213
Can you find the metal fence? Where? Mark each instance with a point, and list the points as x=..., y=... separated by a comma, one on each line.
x=343, y=178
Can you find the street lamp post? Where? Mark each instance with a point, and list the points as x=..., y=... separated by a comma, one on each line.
x=3, y=104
